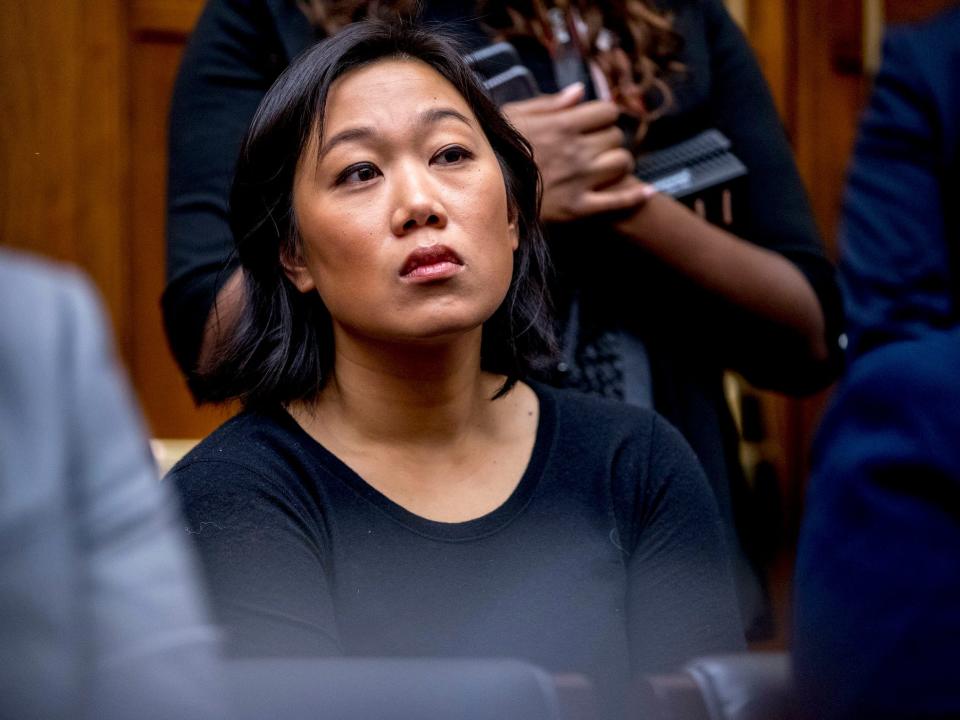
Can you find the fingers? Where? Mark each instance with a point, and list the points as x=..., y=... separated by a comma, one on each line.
x=563, y=100
x=600, y=141
x=591, y=116
x=609, y=167
x=567, y=110
x=619, y=197
x=579, y=150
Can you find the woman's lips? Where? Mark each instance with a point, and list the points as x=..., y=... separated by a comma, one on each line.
x=436, y=262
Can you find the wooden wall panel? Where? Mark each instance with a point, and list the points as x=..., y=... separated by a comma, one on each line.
x=102, y=144
x=830, y=96
x=62, y=138
x=768, y=27
x=85, y=88
x=37, y=87
x=167, y=17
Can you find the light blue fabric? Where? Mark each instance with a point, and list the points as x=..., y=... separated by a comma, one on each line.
x=100, y=613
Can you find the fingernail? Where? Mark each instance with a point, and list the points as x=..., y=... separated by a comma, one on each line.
x=573, y=88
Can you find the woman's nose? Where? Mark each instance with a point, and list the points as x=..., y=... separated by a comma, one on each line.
x=419, y=203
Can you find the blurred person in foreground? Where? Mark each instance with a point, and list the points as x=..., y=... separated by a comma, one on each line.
x=397, y=486
x=900, y=231
x=100, y=612
x=877, y=625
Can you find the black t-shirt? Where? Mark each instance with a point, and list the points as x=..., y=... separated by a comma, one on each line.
x=607, y=559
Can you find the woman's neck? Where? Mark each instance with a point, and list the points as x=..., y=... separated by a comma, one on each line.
x=404, y=394
x=417, y=424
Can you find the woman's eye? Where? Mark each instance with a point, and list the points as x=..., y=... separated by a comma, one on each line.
x=452, y=155
x=359, y=173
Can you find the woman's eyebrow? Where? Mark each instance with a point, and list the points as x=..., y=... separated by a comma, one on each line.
x=435, y=115
x=349, y=135
x=356, y=134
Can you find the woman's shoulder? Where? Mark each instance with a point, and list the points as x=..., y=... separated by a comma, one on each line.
x=571, y=404
x=249, y=448
x=640, y=459
x=609, y=428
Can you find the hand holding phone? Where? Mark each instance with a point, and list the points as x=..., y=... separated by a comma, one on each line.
x=579, y=150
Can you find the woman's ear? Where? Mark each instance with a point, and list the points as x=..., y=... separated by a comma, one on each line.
x=295, y=268
x=513, y=228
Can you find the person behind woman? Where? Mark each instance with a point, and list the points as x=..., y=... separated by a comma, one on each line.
x=395, y=487
x=657, y=301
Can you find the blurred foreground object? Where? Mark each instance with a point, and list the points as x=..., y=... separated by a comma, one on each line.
x=877, y=586
x=900, y=238
x=100, y=616
x=877, y=622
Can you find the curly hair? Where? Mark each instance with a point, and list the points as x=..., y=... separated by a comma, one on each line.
x=331, y=16
x=631, y=41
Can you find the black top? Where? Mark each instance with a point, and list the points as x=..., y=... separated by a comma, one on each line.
x=606, y=559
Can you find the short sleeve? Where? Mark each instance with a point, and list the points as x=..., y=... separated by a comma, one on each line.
x=681, y=597
x=264, y=559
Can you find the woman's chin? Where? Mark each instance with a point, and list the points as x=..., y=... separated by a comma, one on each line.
x=431, y=331
x=447, y=323
x=441, y=332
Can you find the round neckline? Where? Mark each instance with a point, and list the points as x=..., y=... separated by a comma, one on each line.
x=473, y=529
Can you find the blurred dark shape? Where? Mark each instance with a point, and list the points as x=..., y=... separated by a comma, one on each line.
x=877, y=622
x=900, y=234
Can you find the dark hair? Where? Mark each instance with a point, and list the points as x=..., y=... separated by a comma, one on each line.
x=281, y=347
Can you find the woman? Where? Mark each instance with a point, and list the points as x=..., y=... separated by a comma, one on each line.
x=665, y=302
x=395, y=487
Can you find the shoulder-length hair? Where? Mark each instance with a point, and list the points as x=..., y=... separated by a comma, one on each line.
x=280, y=349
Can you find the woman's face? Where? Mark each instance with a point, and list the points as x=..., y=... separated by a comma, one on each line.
x=402, y=209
